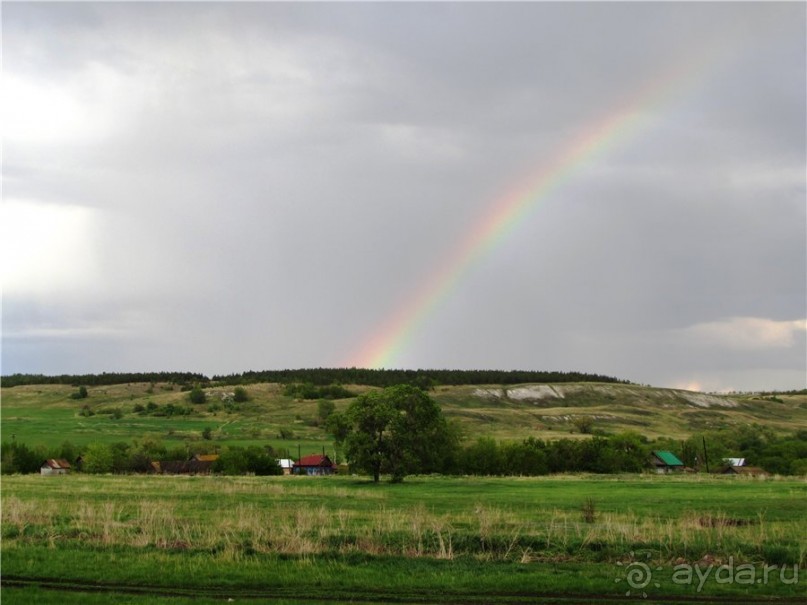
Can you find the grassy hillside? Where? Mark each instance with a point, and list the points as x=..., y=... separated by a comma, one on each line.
x=47, y=415
x=550, y=411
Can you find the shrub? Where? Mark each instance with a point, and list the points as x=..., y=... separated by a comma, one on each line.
x=309, y=391
x=240, y=395
x=80, y=394
x=325, y=408
x=197, y=395
x=584, y=424
x=589, y=510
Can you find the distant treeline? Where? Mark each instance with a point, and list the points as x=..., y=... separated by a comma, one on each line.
x=93, y=380
x=419, y=378
x=622, y=453
x=425, y=379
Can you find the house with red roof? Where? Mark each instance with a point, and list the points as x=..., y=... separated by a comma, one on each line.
x=314, y=464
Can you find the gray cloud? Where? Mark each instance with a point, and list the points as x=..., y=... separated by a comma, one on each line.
x=267, y=182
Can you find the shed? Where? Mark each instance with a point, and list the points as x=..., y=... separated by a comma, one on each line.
x=665, y=462
x=287, y=464
x=734, y=461
x=55, y=466
x=749, y=471
x=315, y=464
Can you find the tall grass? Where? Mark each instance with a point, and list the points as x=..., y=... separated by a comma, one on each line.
x=287, y=516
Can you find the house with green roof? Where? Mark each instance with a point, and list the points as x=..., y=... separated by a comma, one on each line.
x=665, y=462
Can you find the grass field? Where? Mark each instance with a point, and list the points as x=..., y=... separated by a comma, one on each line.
x=45, y=414
x=565, y=539
x=554, y=539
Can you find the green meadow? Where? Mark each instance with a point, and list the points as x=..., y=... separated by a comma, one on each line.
x=430, y=539
x=43, y=415
x=558, y=538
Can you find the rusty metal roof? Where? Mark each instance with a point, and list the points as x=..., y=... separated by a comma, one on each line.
x=314, y=460
x=206, y=457
x=57, y=463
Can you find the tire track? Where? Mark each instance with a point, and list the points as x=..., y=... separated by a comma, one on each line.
x=370, y=596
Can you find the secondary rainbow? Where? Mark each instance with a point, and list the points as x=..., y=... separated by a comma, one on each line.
x=509, y=211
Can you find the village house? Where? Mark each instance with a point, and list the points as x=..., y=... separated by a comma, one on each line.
x=55, y=467
x=287, y=464
x=315, y=464
x=665, y=462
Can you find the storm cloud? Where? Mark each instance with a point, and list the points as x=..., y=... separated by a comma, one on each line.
x=224, y=187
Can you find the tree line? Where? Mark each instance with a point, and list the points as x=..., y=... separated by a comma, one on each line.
x=135, y=457
x=622, y=453
x=424, y=379
x=105, y=379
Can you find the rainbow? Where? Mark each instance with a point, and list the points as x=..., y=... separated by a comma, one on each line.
x=511, y=210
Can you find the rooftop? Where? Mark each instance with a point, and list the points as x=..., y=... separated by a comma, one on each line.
x=668, y=458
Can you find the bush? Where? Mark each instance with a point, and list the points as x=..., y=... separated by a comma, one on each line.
x=589, y=510
x=309, y=391
x=325, y=408
x=240, y=395
x=197, y=395
x=584, y=424
x=80, y=394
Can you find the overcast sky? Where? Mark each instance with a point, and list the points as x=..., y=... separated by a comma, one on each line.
x=229, y=187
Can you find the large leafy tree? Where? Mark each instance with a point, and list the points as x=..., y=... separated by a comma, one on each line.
x=398, y=431
x=99, y=458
